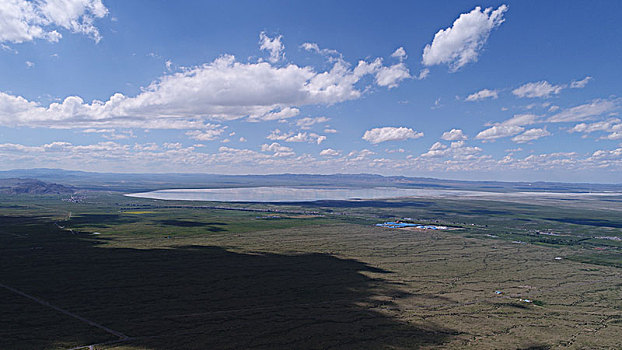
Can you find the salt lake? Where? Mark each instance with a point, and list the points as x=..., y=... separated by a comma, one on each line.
x=306, y=194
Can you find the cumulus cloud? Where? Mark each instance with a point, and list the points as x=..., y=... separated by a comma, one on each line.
x=522, y=119
x=530, y=135
x=499, y=131
x=359, y=155
x=211, y=132
x=391, y=76
x=278, y=135
x=541, y=89
x=314, y=47
x=456, y=150
x=613, y=126
x=223, y=89
x=330, y=152
x=23, y=21
x=482, y=94
x=509, y=127
x=585, y=111
x=170, y=157
x=279, y=151
x=609, y=125
x=615, y=154
x=453, y=135
x=461, y=43
x=424, y=73
x=400, y=54
x=111, y=134
x=273, y=45
x=284, y=113
x=580, y=84
x=109, y=147
x=436, y=150
x=307, y=122
x=388, y=133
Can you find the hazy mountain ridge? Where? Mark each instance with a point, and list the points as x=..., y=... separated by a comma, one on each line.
x=145, y=182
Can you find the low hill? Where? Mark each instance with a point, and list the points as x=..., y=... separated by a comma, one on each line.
x=32, y=186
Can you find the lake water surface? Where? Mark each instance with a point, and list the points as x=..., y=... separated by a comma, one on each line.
x=283, y=194
x=307, y=194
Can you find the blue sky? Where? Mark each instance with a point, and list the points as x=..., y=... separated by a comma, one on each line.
x=525, y=90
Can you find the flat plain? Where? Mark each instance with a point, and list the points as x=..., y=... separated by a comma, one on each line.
x=113, y=272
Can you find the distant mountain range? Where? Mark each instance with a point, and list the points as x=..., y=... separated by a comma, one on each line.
x=146, y=182
x=32, y=186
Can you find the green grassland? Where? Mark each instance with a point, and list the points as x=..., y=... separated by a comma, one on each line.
x=127, y=273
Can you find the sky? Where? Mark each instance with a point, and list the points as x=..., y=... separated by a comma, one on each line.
x=509, y=91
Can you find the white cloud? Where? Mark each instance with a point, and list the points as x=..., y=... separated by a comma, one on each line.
x=615, y=154
x=436, y=150
x=585, y=111
x=522, y=119
x=330, y=131
x=146, y=147
x=220, y=90
x=211, y=132
x=273, y=45
x=311, y=47
x=579, y=84
x=499, y=131
x=29, y=64
x=609, y=125
x=400, y=54
x=172, y=145
x=460, y=44
x=391, y=76
x=453, y=135
x=23, y=21
x=538, y=89
x=378, y=135
x=330, y=152
x=279, y=151
x=111, y=134
x=613, y=126
x=314, y=47
x=306, y=137
x=482, y=94
x=455, y=157
x=277, y=135
x=307, y=122
x=530, y=135
x=616, y=135
x=284, y=113
x=424, y=73
x=109, y=148
x=10, y=49
x=97, y=131
x=456, y=150
x=360, y=155
x=509, y=127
